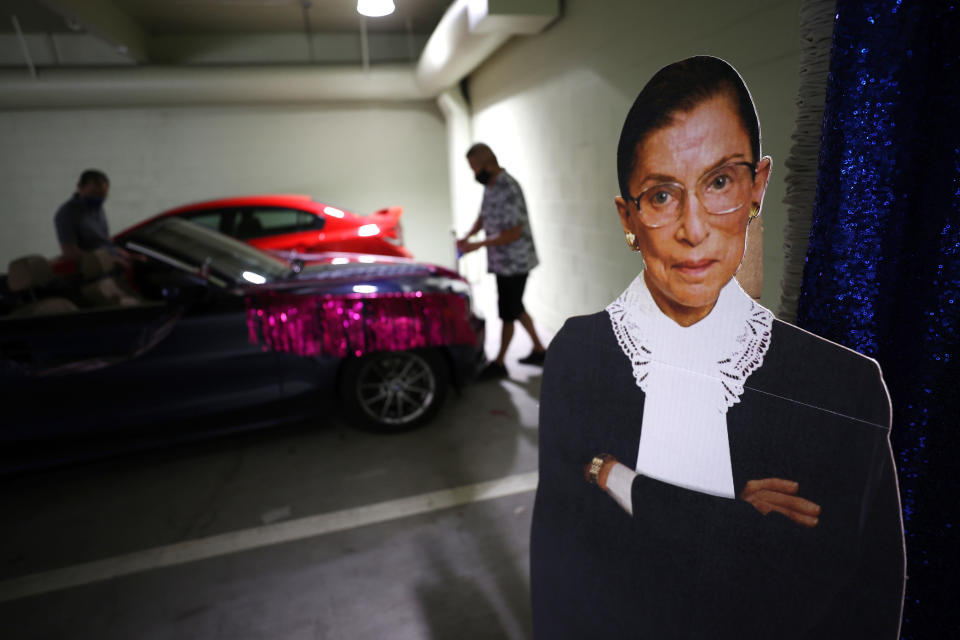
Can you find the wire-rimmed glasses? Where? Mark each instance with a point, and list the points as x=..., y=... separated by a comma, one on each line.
x=721, y=191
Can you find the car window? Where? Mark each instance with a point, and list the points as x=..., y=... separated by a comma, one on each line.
x=256, y=223
x=222, y=221
x=208, y=220
x=309, y=221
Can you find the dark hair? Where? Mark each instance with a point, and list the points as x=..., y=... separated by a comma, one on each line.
x=92, y=175
x=681, y=87
x=481, y=149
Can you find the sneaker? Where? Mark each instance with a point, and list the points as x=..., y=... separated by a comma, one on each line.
x=493, y=371
x=535, y=357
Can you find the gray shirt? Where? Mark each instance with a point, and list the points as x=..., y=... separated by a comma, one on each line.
x=504, y=208
x=81, y=225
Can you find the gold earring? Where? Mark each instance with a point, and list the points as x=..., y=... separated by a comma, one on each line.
x=754, y=211
x=632, y=241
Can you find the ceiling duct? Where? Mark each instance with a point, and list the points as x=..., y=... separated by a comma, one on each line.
x=471, y=30
x=182, y=86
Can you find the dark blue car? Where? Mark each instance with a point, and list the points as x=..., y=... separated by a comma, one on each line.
x=205, y=333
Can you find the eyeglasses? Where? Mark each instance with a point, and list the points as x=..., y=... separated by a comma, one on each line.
x=721, y=191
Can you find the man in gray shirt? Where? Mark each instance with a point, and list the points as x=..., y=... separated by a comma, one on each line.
x=81, y=222
x=510, y=251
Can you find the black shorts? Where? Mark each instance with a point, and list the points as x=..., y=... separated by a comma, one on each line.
x=510, y=296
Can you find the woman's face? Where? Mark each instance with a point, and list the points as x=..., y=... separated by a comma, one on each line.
x=691, y=259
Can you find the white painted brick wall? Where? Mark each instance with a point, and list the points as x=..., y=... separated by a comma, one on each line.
x=552, y=106
x=356, y=156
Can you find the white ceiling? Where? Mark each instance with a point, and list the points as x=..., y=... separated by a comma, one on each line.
x=164, y=17
x=70, y=33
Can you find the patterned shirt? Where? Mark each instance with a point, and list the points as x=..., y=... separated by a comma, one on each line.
x=504, y=208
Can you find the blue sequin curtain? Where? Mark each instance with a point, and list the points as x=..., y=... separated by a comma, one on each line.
x=882, y=274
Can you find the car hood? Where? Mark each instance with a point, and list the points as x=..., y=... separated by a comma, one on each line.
x=343, y=273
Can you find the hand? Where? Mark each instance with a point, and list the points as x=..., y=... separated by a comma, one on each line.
x=465, y=246
x=776, y=494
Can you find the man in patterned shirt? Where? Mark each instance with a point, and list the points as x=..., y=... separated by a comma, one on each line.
x=510, y=251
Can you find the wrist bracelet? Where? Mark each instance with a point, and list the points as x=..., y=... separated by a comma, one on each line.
x=593, y=470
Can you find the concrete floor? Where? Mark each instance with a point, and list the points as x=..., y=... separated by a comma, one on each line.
x=458, y=572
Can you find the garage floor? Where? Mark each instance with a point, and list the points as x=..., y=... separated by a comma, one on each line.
x=302, y=531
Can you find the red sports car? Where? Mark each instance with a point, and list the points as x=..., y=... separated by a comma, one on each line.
x=295, y=223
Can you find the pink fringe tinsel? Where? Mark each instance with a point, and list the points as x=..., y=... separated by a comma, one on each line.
x=342, y=325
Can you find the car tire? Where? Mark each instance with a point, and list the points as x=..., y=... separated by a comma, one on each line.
x=394, y=391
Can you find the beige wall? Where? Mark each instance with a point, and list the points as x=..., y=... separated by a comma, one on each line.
x=552, y=106
x=358, y=156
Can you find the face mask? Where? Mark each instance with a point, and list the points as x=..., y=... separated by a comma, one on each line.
x=92, y=202
x=482, y=176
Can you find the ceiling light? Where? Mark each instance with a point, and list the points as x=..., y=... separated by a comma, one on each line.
x=375, y=8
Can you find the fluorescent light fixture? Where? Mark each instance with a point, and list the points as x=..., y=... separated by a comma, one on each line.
x=255, y=278
x=333, y=212
x=375, y=8
x=364, y=288
x=368, y=230
x=367, y=259
x=340, y=261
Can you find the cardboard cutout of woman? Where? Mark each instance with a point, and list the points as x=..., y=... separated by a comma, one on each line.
x=705, y=469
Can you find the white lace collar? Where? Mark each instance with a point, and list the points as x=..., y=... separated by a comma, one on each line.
x=725, y=347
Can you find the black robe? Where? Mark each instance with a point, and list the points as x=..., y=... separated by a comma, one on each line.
x=691, y=565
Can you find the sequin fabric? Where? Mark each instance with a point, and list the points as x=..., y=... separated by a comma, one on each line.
x=882, y=273
x=353, y=325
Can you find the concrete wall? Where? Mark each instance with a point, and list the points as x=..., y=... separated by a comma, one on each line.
x=357, y=156
x=552, y=106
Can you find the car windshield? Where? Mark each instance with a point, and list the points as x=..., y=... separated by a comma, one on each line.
x=197, y=246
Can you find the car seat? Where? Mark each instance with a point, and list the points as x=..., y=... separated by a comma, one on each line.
x=32, y=279
x=249, y=226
